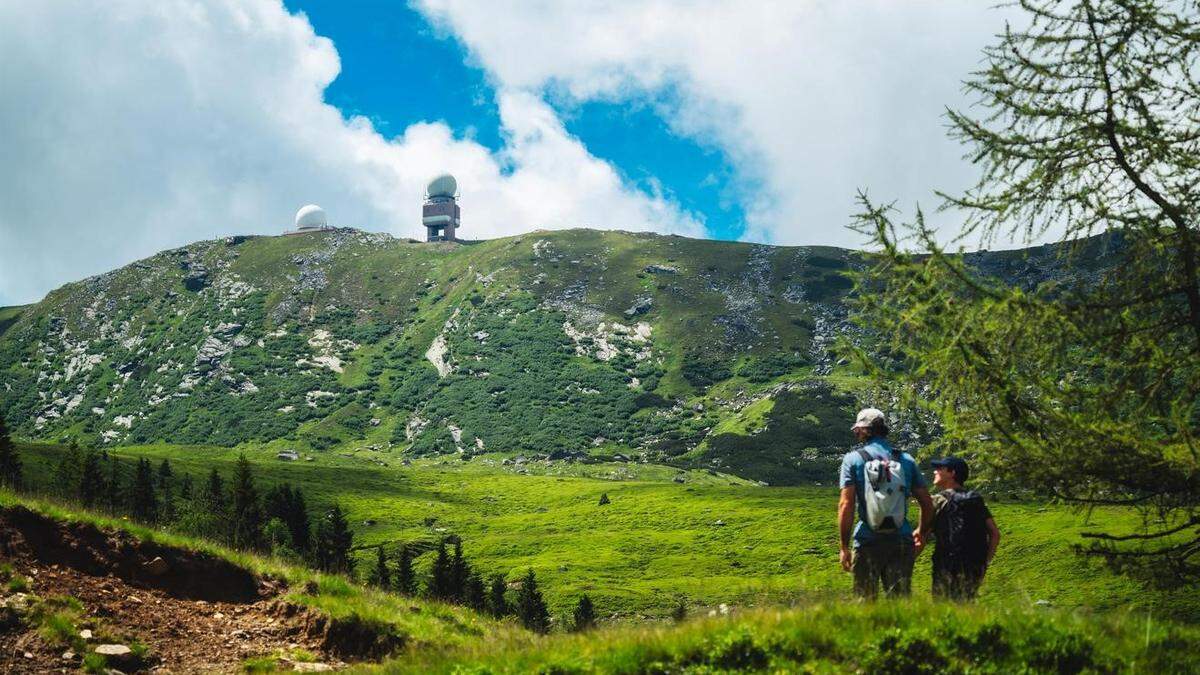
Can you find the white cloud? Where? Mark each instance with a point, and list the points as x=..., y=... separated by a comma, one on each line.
x=128, y=127
x=811, y=99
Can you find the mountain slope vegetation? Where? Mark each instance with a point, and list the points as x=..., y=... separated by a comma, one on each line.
x=568, y=344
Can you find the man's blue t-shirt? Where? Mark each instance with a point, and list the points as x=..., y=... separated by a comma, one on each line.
x=853, y=466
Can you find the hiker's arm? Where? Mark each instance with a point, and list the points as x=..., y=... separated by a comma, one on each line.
x=993, y=539
x=926, y=503
x=845, y=524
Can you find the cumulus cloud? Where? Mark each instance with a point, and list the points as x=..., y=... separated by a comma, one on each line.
x=811, y=99
x=130, y=126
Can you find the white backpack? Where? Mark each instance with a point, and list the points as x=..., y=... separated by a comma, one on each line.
x=885, y=492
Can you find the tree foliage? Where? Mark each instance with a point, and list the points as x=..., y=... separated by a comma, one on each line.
x=531, y=608
x=10, y=461
x=1085, y=387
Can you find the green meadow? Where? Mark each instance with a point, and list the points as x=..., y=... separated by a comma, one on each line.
x=710, y=540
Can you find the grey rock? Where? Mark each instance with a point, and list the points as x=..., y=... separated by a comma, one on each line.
x=156, y=567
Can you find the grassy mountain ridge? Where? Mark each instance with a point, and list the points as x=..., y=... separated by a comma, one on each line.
x=566, y=343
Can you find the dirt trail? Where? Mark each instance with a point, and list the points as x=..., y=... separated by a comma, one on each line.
x=197, y=612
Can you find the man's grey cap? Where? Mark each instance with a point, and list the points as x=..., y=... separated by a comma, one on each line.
x=869, y=417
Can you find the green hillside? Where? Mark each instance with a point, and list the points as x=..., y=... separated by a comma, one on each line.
x=568, y=344
x=322, y=618
x=557, y=343
x=706, y=541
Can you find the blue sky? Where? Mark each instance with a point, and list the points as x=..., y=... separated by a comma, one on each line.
x=130, y=127
x=398, y=69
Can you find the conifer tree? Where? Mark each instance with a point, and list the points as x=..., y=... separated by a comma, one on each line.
x=440, y=584
x=474, y=593
x=91, y=480
x=143, y=500
x=459, y=572
x=287, y=504
x=214, y=493
x=185, y=487
x=165, y=474
x=10, y=461
x=246, y=513
x=277, y=538
x=584, y=616
x=531, y=608
x=115, y=495
x=406, y=580
x=381, y=576
x=332, y=543
x=1084, y=386
x=165, y=487
x=497, y=601
x=66, y=473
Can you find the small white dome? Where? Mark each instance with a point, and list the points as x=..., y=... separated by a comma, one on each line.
x=442, y=186
x=310, y=217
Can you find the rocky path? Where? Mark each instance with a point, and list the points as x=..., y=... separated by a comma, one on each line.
x=196, y=613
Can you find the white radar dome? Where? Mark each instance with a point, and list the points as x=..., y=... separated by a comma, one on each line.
x=310, y=217
x=442, y=186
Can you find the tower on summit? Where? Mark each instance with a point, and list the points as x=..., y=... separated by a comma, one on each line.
x=440, y=214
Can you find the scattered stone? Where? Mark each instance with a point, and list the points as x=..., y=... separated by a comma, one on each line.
x=640, y=307
x=311, y=667
x=68, y=655
x=1044, y=603
x=85, y=634
x=679, y=478
x=113, y=650
x=134, y=598
x=218, y=615
x=28, y=655
x=156, y=567
x=719, y=523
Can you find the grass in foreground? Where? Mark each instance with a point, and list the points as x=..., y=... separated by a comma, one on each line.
x=911, y=637
x=657, y=541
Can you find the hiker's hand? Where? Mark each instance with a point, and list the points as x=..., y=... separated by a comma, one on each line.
x=844, y=557
x=918, y=540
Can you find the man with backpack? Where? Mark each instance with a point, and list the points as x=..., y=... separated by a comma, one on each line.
x=877, y=481
x=965, y=534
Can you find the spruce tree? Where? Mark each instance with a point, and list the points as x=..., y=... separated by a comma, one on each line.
x=214, y=493
x=185, y=487
x=66, y=473
x=143, y=500
x=497, y=601
x=246, y=513
x=165, y=474
x=440, y=575
x=332, y=543
x=584, y=617
x=297, y=521
x=474, y=593
x=406, y=580
x=459, y=572
x=91, y=480
x=381, y=576
x=287, y=504
x=115, y=496
x=10, y=461
x=165, y=487
x=531, y=608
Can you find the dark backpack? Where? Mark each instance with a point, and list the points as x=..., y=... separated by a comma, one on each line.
x=961, y=532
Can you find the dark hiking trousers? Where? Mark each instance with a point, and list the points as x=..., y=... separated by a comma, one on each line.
x=884, y=564
x=956, y=584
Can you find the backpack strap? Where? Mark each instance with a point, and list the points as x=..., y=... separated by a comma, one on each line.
x=865, y=455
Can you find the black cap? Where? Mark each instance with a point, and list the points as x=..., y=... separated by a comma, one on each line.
x=958, y=466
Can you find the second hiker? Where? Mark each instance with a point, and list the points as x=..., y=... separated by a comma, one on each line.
x=965, y=534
